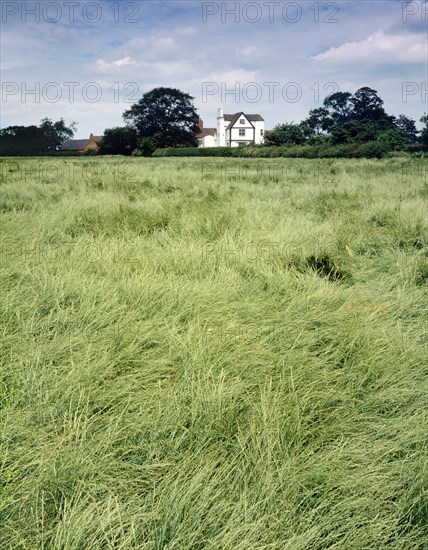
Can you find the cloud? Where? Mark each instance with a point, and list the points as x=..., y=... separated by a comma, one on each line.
x=125, y=61
x=105, y=66
x=379, y=48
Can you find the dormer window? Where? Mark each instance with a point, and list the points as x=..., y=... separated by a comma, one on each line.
x=242, y=121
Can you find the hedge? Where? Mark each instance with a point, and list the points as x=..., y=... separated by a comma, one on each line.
x=370, y=149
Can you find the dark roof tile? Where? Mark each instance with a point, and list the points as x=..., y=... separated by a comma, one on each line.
x=74, y=144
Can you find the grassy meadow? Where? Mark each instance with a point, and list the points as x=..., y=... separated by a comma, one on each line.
x=213, y=354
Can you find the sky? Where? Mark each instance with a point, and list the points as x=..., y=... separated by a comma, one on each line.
x=88, y=62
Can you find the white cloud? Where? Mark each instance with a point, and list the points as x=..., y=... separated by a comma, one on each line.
x=379, y=47
x=125, y=61
x=105, y=66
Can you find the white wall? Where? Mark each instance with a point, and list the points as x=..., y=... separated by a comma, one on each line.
x=260, y=125
x=208, y=141
x=221, y=129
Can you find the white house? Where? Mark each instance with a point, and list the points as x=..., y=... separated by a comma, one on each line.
x=232, y=130
x=240, y=128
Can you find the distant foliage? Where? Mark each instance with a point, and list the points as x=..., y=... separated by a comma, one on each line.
x=349, y=119
x=118, y=141
x=165, y=115
x=35, y=140
x=370, y=149
x=198, y=152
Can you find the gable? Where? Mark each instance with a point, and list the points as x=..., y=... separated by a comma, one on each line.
x=234, y=123
x=234, y=119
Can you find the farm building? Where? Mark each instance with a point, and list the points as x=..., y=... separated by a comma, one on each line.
x=81, y=145
x=233, y=130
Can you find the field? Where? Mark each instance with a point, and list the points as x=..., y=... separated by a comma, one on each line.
x=213, y=354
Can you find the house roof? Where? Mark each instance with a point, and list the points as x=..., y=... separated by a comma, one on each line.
x=253, y=118
x=235, y=117
x=207, y=132
x=74, y=144
x=77, y=144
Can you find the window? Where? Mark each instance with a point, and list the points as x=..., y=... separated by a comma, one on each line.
x=242, y=132
x=242, y=121
x=261, y=132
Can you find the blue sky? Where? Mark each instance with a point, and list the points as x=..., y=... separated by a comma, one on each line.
x=276, y=58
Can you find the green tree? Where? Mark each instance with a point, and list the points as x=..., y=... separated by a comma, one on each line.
x=121, y=140
x=55, y=133
x=354, y=132
x=319, y=120
x=340, y=107
x=394, y=138
x=424, y=131
x=368, y=107
x=408, y=127
x=287, y=134
x=35, y=140
x=167, y=113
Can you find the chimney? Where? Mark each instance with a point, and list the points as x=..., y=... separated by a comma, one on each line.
x=221, y=131
x=200, y=124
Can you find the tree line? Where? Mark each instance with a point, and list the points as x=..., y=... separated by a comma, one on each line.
x=34, y=140
x=345, y=118
x=167, y=118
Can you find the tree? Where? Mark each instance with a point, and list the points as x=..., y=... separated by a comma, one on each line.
x=339, y=106
x=55, y=133
x=424, y=131
x=287, y=134
x=121, y=140
x=168, y=113
x=408, y=127
x=354, y=132
x=147, y=145
x=368, y=107
x=35, y=140
x=319, y=120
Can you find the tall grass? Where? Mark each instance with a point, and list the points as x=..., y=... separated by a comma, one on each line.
x=206, y=354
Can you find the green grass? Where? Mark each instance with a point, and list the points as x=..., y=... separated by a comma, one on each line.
x=205, y=354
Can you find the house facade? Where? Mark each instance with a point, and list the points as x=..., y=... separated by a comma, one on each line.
x=239, y=129
x=233, y=130
x=81, y=145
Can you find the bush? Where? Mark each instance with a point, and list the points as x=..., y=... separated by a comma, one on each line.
x=197, y=152
x=177, y=152
x=90, y=153
x=369, y=149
